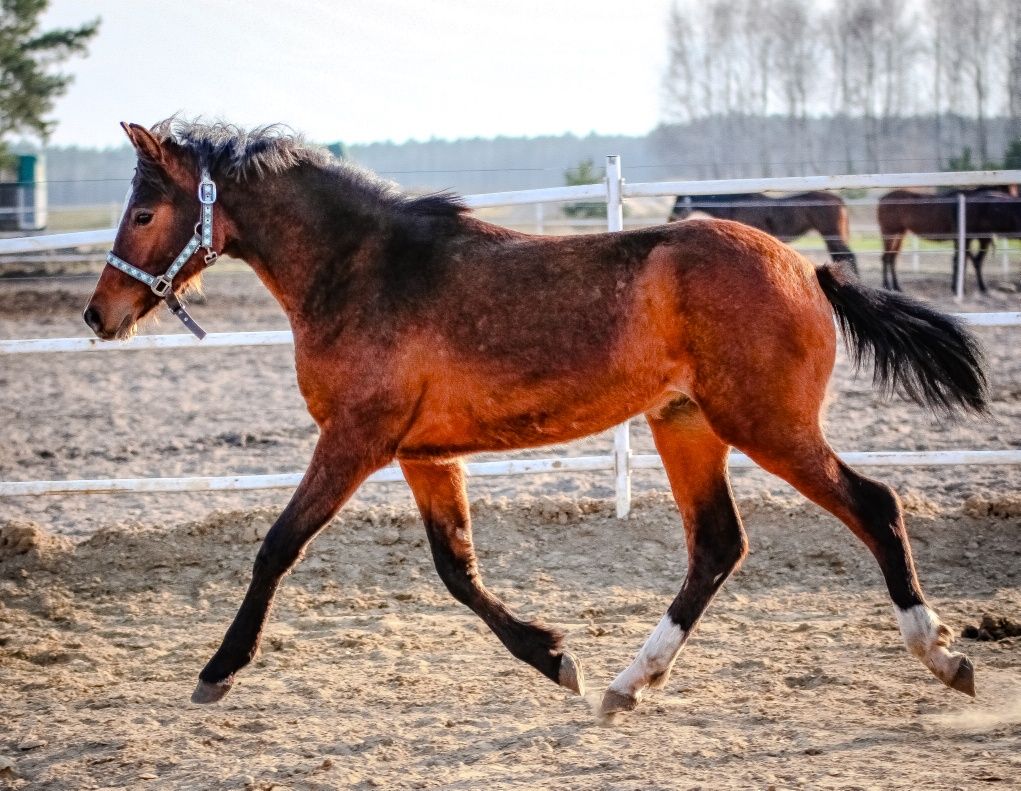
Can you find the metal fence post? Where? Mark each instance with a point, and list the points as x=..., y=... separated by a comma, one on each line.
x=540, y=218
x=962, y=250
x=621, y=434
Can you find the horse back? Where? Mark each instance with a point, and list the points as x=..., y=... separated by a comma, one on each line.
x=900, y=211
x=822, y=212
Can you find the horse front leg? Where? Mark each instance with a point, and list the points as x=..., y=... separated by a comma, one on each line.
x=442, y=498
x=337, y=468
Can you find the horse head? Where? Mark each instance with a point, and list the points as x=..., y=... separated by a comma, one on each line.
x=153, y=256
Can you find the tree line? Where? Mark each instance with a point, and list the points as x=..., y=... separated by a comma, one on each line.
x=866, y=67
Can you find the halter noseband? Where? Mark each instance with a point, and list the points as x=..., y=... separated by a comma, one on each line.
x=162, y=285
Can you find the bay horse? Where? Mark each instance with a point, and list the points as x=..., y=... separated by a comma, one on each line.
x=989, y=212
x=422, y=334
x=786, y=217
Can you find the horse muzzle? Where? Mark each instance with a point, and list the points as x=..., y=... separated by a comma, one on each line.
x=108, y=330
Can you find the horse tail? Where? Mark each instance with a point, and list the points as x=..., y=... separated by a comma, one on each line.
x=926, y=355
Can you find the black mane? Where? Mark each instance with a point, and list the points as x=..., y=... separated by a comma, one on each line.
x=242, y=154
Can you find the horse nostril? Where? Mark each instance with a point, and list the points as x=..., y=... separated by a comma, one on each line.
x=92, y=318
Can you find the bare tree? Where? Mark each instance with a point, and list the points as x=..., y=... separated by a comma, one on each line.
x=679, y=100
x=795, y=64
x=869, y=65
x=1013, y=67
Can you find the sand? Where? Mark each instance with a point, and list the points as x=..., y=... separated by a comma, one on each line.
x=371, y=676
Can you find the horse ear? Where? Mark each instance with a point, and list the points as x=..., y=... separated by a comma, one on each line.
x=146, y=146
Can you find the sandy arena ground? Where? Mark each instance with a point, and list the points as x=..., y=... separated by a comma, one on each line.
x=373, y=677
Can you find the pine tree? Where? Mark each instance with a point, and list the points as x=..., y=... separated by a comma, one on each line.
x=584, y=173
x=28, y=84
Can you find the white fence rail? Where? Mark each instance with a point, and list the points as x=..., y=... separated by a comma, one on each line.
x=236, y=483
x=613, y=191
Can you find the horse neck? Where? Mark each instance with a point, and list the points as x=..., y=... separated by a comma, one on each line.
x=287, y=226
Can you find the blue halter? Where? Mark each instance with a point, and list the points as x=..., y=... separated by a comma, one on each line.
x=162, y=285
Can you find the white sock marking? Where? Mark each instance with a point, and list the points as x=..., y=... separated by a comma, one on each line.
x=927, y=638
x=656, y=658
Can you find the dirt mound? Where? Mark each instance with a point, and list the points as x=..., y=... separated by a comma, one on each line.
x=993, y=628
x=27, y=538
x=1002, y=506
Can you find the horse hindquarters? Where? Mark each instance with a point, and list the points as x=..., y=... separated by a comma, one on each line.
x=774, y=417
x=926, y=354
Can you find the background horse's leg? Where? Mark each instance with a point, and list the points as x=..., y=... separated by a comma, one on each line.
x=840, y=252
x=984, y=243
x=696, y=464
x=891, y=246
x=441, y=494
x=798, y=453
x=332, y=476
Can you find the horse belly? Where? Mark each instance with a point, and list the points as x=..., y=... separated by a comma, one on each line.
x=470, y=414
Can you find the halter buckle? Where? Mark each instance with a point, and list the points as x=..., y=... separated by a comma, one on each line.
x=211, y=256
x=207, y=191
x=160, y=286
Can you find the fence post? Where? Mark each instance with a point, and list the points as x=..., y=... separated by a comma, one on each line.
x=621, y=434
x=962, y=250
x=914, y=253
x=540, y=218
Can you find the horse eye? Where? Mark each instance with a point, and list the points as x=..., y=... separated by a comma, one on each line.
x=143, y=218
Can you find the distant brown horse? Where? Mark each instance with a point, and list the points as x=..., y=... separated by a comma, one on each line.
x=786, y=218
x=989, y=212
x=422, y=334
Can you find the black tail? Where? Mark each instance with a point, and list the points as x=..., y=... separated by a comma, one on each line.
x=928, y=356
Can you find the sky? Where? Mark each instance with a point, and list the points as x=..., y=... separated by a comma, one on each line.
x=363, y=71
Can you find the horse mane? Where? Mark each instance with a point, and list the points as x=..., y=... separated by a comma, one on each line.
x=251, y=154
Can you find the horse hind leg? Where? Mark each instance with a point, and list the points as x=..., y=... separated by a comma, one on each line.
x=440, y=492
x=891, y=246
x=798, y=453
x=984, y=244
x=840, y=252
x=696, y=465
x=837, y=240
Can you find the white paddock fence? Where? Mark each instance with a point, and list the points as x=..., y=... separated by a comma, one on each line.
x=622, y=462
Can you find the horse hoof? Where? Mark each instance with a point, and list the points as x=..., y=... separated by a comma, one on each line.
x=571, y=675
x=616, y=702
x=206, y=692
x=964, y=678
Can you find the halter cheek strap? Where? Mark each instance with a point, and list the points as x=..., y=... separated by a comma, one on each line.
x=162, y=285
